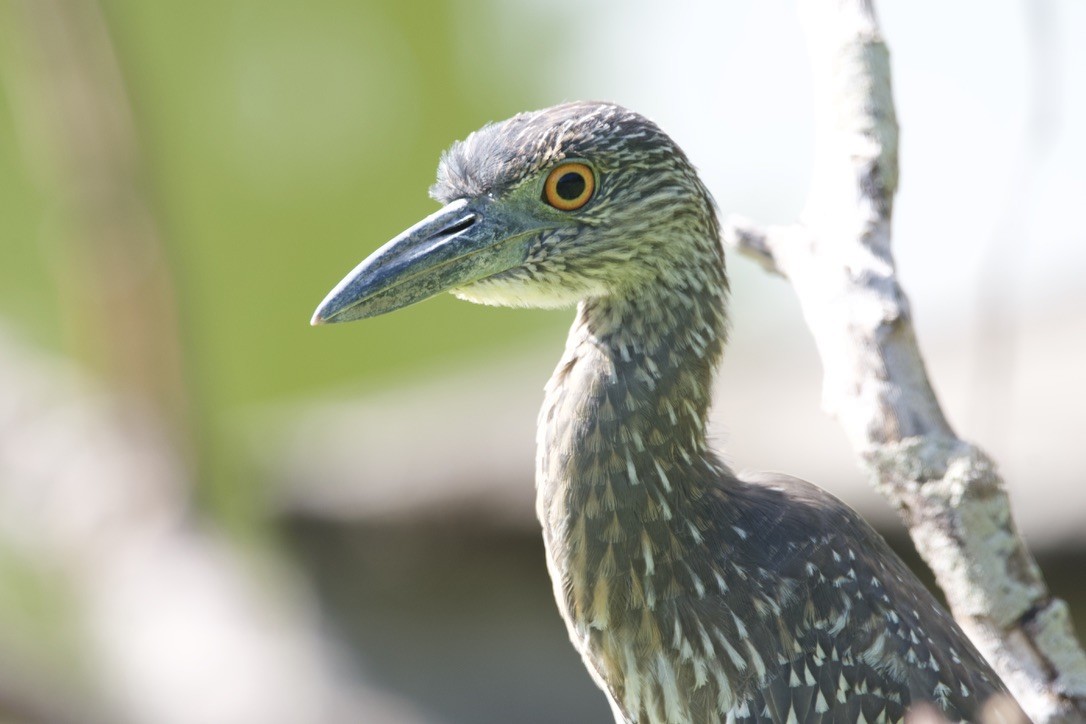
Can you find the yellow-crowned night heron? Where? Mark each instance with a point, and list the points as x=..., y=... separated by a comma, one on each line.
x=692, y=594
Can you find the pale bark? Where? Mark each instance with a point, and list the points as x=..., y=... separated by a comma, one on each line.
x=948, y=491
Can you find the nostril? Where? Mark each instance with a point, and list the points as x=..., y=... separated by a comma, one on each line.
x=455, y=228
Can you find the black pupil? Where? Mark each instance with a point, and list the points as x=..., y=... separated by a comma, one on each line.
x=570, y=186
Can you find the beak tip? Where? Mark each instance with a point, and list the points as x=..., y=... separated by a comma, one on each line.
x=320, y=317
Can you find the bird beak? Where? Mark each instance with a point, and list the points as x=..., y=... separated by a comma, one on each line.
x=463, y=242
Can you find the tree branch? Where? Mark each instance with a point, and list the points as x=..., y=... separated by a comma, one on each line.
x=875, y=383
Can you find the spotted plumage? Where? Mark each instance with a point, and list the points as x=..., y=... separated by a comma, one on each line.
x=693, y=594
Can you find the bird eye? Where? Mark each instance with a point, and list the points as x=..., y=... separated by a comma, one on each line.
x=569, y=186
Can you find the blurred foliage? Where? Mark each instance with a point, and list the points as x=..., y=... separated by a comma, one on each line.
x=283, y=143
x=289, y=141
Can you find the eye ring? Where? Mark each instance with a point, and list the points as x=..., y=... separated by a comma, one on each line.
x=569, y=186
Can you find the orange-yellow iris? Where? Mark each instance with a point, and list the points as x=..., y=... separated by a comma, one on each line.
x=569, y=186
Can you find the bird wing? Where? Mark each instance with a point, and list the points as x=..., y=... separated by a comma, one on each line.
x=867, y=638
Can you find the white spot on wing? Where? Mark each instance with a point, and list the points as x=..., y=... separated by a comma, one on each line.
x=756, y=659
x=631, y=471
x=663, y=478
x=674, y=710
x=646, y=551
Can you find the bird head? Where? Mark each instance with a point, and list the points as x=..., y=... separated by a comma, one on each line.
x=544, y=209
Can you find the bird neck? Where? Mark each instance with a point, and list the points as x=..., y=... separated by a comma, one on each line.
x=622, y=430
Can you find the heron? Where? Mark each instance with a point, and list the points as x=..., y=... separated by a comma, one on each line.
x=691, y=592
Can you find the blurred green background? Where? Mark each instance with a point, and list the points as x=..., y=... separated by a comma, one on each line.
x=281, y=144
